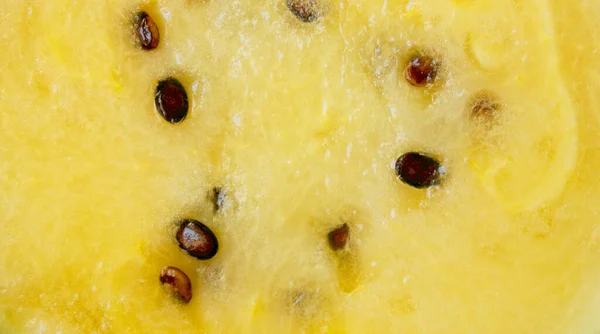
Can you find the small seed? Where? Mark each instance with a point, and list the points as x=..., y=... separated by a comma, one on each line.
x=217, y=197
x=197, y=240
x=421, y=71
x=305, y=10
x=146, y=32
x=177, y=282
x=339, y=237
x=171, y=100
x=418, y=170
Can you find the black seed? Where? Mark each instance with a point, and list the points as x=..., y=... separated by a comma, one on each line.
x=197, y=240
x=177, y=282
x=217, y=197
x=421, y=71
x=339, y=237
x=305, y=10
x=418, y=170
x=171, y=100
x=484, y=104
x=146, y=32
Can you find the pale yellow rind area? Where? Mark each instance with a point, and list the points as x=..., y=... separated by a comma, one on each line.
x=300, y=124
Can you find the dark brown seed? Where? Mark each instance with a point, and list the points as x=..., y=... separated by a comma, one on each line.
x=197, y=240
x=418, y=170
x=339, y=237
x=421, y=71
x=146, y=32
x=484, y=104
x=171, y=100
x=217, y=197
x=177, y=282
x=305, y=10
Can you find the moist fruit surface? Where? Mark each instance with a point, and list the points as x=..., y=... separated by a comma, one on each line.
x=316, y=166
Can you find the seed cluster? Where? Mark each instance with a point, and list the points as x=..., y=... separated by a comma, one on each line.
x=419, y=170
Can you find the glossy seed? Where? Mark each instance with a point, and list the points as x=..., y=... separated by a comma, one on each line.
x=339, y=237
x=197, y=240
x=217, y=197
x=177, y=282
x=484, y=104
x=305, y=10
x=171, y=100
x=146, y=32
x=418, y=170
x=421, y=71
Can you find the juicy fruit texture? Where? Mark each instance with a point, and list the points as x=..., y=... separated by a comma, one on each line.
x=301, y=124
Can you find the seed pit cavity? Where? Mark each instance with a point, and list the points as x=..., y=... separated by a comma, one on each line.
x=177, y=282
x=421, y=70
x=303, y=303
x=484, y=104
x=338, y=237
x=197, y=240
x=299, y=299
x=146, y=31
x=418, y=170
x=171, y=100
x=305, y=10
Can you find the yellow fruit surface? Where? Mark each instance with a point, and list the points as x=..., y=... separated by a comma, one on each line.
x=300, y=124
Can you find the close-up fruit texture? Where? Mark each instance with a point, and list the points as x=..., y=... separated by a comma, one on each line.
x=300, y=166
